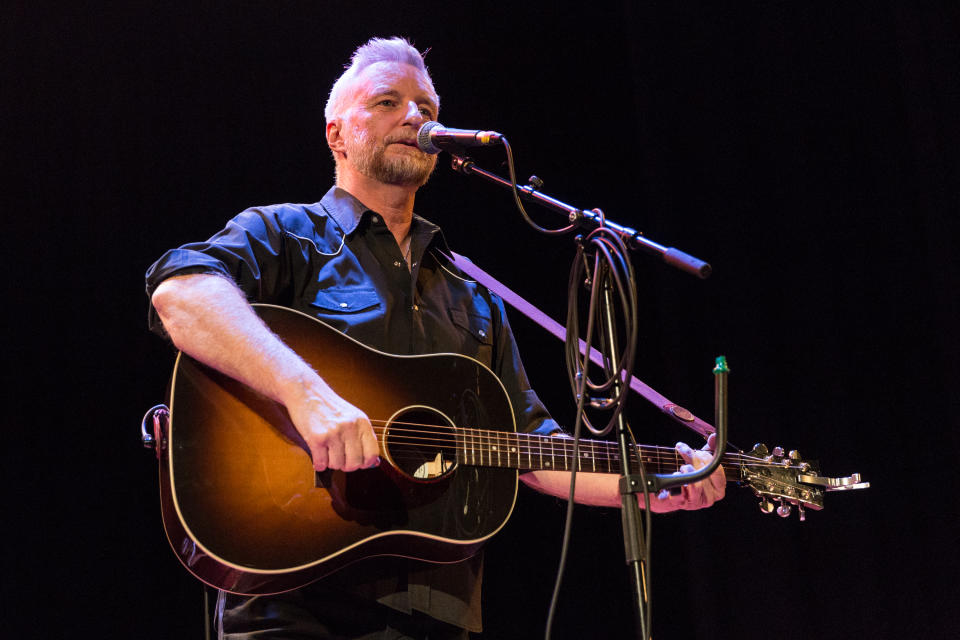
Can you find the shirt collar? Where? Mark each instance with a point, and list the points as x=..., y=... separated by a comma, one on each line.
x=347, y=211
x=343, y=208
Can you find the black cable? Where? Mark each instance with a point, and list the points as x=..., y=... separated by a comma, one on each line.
x=612, y=269
x=516, y=196
x=581, y=396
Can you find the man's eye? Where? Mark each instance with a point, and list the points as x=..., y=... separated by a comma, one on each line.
x=426, y=112
x=387, y=102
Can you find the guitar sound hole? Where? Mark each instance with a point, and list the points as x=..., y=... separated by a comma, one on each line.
x=421, y=443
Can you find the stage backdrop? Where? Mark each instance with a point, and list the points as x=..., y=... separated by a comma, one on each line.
x=806, y=150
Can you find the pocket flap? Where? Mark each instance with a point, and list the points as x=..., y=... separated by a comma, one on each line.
x=349, y=300
x=480, y=327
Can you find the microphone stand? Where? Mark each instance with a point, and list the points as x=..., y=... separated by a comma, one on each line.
x=631, y=484
x=589, y=220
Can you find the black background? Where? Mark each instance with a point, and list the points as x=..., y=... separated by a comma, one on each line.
x=807, y=150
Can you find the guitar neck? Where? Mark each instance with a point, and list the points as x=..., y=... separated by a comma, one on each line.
x=531, y=452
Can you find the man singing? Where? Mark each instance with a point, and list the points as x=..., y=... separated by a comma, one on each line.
x=364, y=263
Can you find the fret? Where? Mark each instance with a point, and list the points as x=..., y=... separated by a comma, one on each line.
x=480, y=447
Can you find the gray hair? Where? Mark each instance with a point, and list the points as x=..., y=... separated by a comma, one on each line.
x=371, y=52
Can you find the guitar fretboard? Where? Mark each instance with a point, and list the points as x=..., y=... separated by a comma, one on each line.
x=533, y=452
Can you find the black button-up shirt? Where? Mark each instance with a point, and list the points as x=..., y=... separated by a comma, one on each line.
x=337, y=261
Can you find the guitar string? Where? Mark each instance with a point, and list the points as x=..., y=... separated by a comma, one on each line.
x=585, y=465
x=537, y=446
x=486, y=459
x=532, y=440
x=534, y=445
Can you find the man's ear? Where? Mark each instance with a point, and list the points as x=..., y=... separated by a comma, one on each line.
x=334, y=137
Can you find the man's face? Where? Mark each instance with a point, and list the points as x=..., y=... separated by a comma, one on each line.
x=389, y=103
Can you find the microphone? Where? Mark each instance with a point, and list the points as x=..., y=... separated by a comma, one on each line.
x=433, y=137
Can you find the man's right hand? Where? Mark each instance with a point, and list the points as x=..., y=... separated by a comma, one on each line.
x=338, y=434
x=207, y=317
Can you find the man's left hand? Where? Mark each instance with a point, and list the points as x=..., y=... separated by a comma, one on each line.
x=698, y=495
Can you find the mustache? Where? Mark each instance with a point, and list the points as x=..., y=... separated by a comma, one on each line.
x=410, y=140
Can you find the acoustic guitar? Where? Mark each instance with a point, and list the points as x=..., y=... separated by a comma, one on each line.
x=244, y=510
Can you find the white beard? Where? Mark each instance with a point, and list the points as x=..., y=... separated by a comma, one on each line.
x=370, y=159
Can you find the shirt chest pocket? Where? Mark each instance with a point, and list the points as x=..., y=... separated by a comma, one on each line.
x=346, y=300
x=476, y=331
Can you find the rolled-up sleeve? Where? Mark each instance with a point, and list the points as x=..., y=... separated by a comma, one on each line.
x=249, y=251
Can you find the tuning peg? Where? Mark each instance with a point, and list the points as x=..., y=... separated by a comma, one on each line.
x=794, y=455
x=801, y=512
x=784, y=509
x=766, y=505
x=778, y=452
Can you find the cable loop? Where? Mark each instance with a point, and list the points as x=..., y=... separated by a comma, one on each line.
x=613, y=271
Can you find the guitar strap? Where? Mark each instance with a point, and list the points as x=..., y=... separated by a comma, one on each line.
x=675, y=411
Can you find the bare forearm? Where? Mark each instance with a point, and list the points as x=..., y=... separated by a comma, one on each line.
x=602, y=489
x=595, y=489
x=208, y=318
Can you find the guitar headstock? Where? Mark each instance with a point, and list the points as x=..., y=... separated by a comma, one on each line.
x=789, y=480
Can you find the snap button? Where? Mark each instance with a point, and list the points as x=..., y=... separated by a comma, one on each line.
x=483, y=334
x=344, y=305
x=396, y=263
x=374, y=219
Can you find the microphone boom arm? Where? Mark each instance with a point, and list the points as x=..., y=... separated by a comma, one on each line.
x=589, y=220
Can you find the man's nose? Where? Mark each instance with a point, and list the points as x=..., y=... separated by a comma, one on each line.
x=414, y=114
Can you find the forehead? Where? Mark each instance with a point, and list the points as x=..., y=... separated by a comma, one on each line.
x=397, y=77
